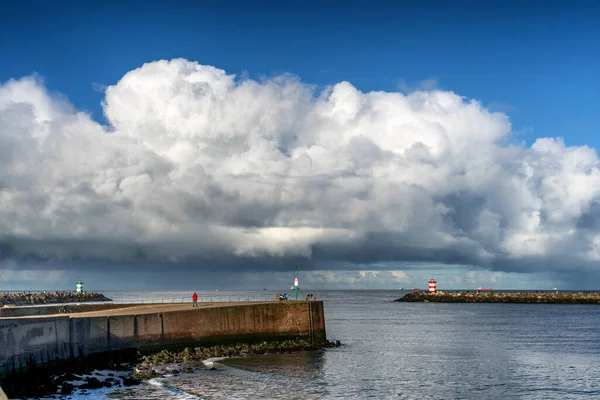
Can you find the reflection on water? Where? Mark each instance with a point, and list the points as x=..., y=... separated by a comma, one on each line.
x=306, y=365
x=417, y=351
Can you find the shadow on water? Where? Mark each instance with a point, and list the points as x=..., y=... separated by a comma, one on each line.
x=304, y=365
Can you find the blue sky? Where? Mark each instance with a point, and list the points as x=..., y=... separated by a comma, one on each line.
x=535, y=61
x=538, y=61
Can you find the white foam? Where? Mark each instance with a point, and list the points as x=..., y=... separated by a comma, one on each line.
x=158, y=382
x=93, y=394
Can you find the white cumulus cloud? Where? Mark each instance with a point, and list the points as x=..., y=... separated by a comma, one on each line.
x=196, y=162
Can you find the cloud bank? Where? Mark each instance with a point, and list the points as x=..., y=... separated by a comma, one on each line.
x=197, y=164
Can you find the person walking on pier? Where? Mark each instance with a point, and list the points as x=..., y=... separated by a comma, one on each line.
x=194, y=300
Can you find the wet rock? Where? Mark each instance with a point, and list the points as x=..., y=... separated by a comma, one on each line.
x=42, y=383
x=66, y=388
x=68, y=376
x=332, y=343
x=29, y=386
x=130, y=381
x=160, y=363
x=122, y=367
x=92, y=383
x=173, y=370
x=142, y=374
x=159, y=370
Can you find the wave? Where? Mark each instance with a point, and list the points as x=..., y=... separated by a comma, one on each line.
x=183, y=395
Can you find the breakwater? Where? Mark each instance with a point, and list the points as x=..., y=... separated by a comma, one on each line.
x=37, y=298
x=502, y=297
x=28, y=343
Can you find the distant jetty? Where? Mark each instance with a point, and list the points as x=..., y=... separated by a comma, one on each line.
x=29, y=299
x=523, y=297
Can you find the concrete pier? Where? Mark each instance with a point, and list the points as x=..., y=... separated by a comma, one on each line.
x=39, y=340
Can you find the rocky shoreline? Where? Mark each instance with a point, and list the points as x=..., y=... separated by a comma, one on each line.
x=38, y=298
x=132, y=369
x=192, y=358
x=60, y=380
x=487, y=297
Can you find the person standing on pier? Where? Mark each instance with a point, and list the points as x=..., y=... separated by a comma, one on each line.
x=194, y=300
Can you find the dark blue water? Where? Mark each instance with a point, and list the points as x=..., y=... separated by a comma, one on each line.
x=416, y=351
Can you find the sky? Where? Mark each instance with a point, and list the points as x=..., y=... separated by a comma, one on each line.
x=194, y=146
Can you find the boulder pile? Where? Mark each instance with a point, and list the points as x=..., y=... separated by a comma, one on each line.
x=33, y=298
x=193, y=358
x=503, y=297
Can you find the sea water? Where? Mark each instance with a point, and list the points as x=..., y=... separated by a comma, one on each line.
x=407, y=351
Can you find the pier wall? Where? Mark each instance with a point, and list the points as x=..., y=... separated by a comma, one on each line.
x=38, y=341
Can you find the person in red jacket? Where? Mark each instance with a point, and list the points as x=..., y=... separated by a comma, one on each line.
x=195, y=300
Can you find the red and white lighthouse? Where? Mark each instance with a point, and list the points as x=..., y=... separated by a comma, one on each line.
x=432, y=286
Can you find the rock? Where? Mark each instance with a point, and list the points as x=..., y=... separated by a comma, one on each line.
x=160, y=363
x=68, y=376
x=159, y=370
x=92, y=383
x=332, y=343
x=122, y=367
x=130, y=381
x=66, y=388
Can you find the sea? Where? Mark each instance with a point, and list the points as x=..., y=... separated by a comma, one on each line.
x=395, y=350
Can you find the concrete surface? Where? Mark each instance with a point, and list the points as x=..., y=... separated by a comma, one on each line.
x=46, y=339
